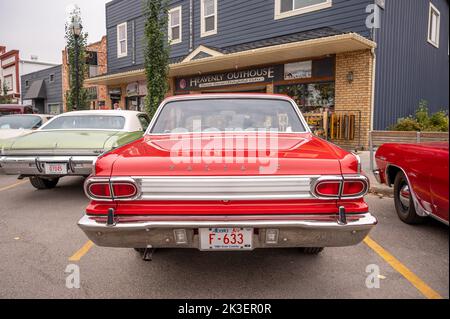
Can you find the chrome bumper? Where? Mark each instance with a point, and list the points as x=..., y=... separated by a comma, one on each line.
x=294, y=231
x=34, y=165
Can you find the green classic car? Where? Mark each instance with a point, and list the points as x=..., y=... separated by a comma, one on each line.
x=69, y=144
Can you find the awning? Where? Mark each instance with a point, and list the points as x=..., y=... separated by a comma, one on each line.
x=262, y=56
x=36, y=91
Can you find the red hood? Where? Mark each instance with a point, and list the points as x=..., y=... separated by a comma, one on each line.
x=166, y=155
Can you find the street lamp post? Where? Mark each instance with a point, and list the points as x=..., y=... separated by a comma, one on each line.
x=76, y=29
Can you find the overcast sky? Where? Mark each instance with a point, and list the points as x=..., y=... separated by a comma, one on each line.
x=36, y=27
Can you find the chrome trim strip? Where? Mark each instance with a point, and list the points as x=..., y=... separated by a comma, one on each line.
x=225, y=188
x=439, y=219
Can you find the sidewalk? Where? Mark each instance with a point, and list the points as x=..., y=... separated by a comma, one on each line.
x=375, y=187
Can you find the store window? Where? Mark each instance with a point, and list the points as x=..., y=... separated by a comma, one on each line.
x=54, y=108
x=310, y=97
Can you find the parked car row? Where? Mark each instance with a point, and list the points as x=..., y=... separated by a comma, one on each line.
x=218, y=172
x=68, y=144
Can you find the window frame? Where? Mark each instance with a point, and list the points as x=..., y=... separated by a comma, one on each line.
x=51, y=78
x=180, y=25
x=315, y=7
x=203, y=32
x=433, y=9
x=119, y=53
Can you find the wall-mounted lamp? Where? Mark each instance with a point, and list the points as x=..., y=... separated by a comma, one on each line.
x=350, y=77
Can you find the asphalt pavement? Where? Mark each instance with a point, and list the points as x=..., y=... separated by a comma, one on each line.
x=39, y=242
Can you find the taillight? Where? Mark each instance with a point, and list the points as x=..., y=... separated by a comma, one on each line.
x=328, y=188
x=99, y=190
x=354, y=188
x=104, y=189
x=124, y=190
x=335, y=187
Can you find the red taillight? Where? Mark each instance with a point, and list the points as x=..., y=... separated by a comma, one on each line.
x=124, y=190
x=328, y=188
x=100, y=190
x=104, y=189
x=353, y=188
x=338, y=187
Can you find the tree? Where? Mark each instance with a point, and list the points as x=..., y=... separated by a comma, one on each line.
x=156, y=53
x=4, y=98
x=76, y=45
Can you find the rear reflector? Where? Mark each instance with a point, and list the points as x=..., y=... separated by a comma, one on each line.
x=100, y=190
x=124, y=190
x=328, y=188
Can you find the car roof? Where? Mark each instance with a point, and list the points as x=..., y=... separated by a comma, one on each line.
x=228, y=96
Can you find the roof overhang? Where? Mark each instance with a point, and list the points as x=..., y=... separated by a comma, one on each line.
x=274, y=54
x=36, y=91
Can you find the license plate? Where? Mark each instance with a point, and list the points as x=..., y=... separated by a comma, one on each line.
x=226, y=238
x=55, y=169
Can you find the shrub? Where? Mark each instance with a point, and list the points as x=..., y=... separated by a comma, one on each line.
x=422, y=121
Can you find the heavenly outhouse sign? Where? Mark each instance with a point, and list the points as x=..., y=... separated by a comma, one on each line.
x=232, y=78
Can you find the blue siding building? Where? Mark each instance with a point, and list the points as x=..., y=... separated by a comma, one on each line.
x=365, y=63
x=43, y=90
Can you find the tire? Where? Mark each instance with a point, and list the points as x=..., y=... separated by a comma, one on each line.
x=42, y=183
x=404, y=205
x=312, y=250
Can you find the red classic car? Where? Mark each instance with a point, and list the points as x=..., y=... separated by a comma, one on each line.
x=419, y=174
x=227, y=172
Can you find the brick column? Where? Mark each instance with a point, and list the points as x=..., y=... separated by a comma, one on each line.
x=357, y=94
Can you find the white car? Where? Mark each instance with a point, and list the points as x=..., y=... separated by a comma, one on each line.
x=12, y=126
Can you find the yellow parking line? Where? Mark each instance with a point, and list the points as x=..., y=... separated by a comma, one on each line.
x=83, y=251
x=426, y=290
x=12, y=186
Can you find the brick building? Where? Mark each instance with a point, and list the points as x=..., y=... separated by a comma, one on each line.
x=97, y=65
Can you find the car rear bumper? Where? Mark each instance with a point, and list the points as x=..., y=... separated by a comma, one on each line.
x=293, y=230
x=34, y=165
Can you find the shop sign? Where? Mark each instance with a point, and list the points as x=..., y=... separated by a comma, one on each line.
x=115, y=92
x=298, y=70
x=249, y=76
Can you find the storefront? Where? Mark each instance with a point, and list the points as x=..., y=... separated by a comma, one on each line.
x=311, y=83
x=136, y=93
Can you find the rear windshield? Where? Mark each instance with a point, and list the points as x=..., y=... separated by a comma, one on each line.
x=16, y=122
x=211, y=115
x=93, y=122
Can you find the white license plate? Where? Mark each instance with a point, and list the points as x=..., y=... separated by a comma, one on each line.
x=226, y=238
x=55, y=169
